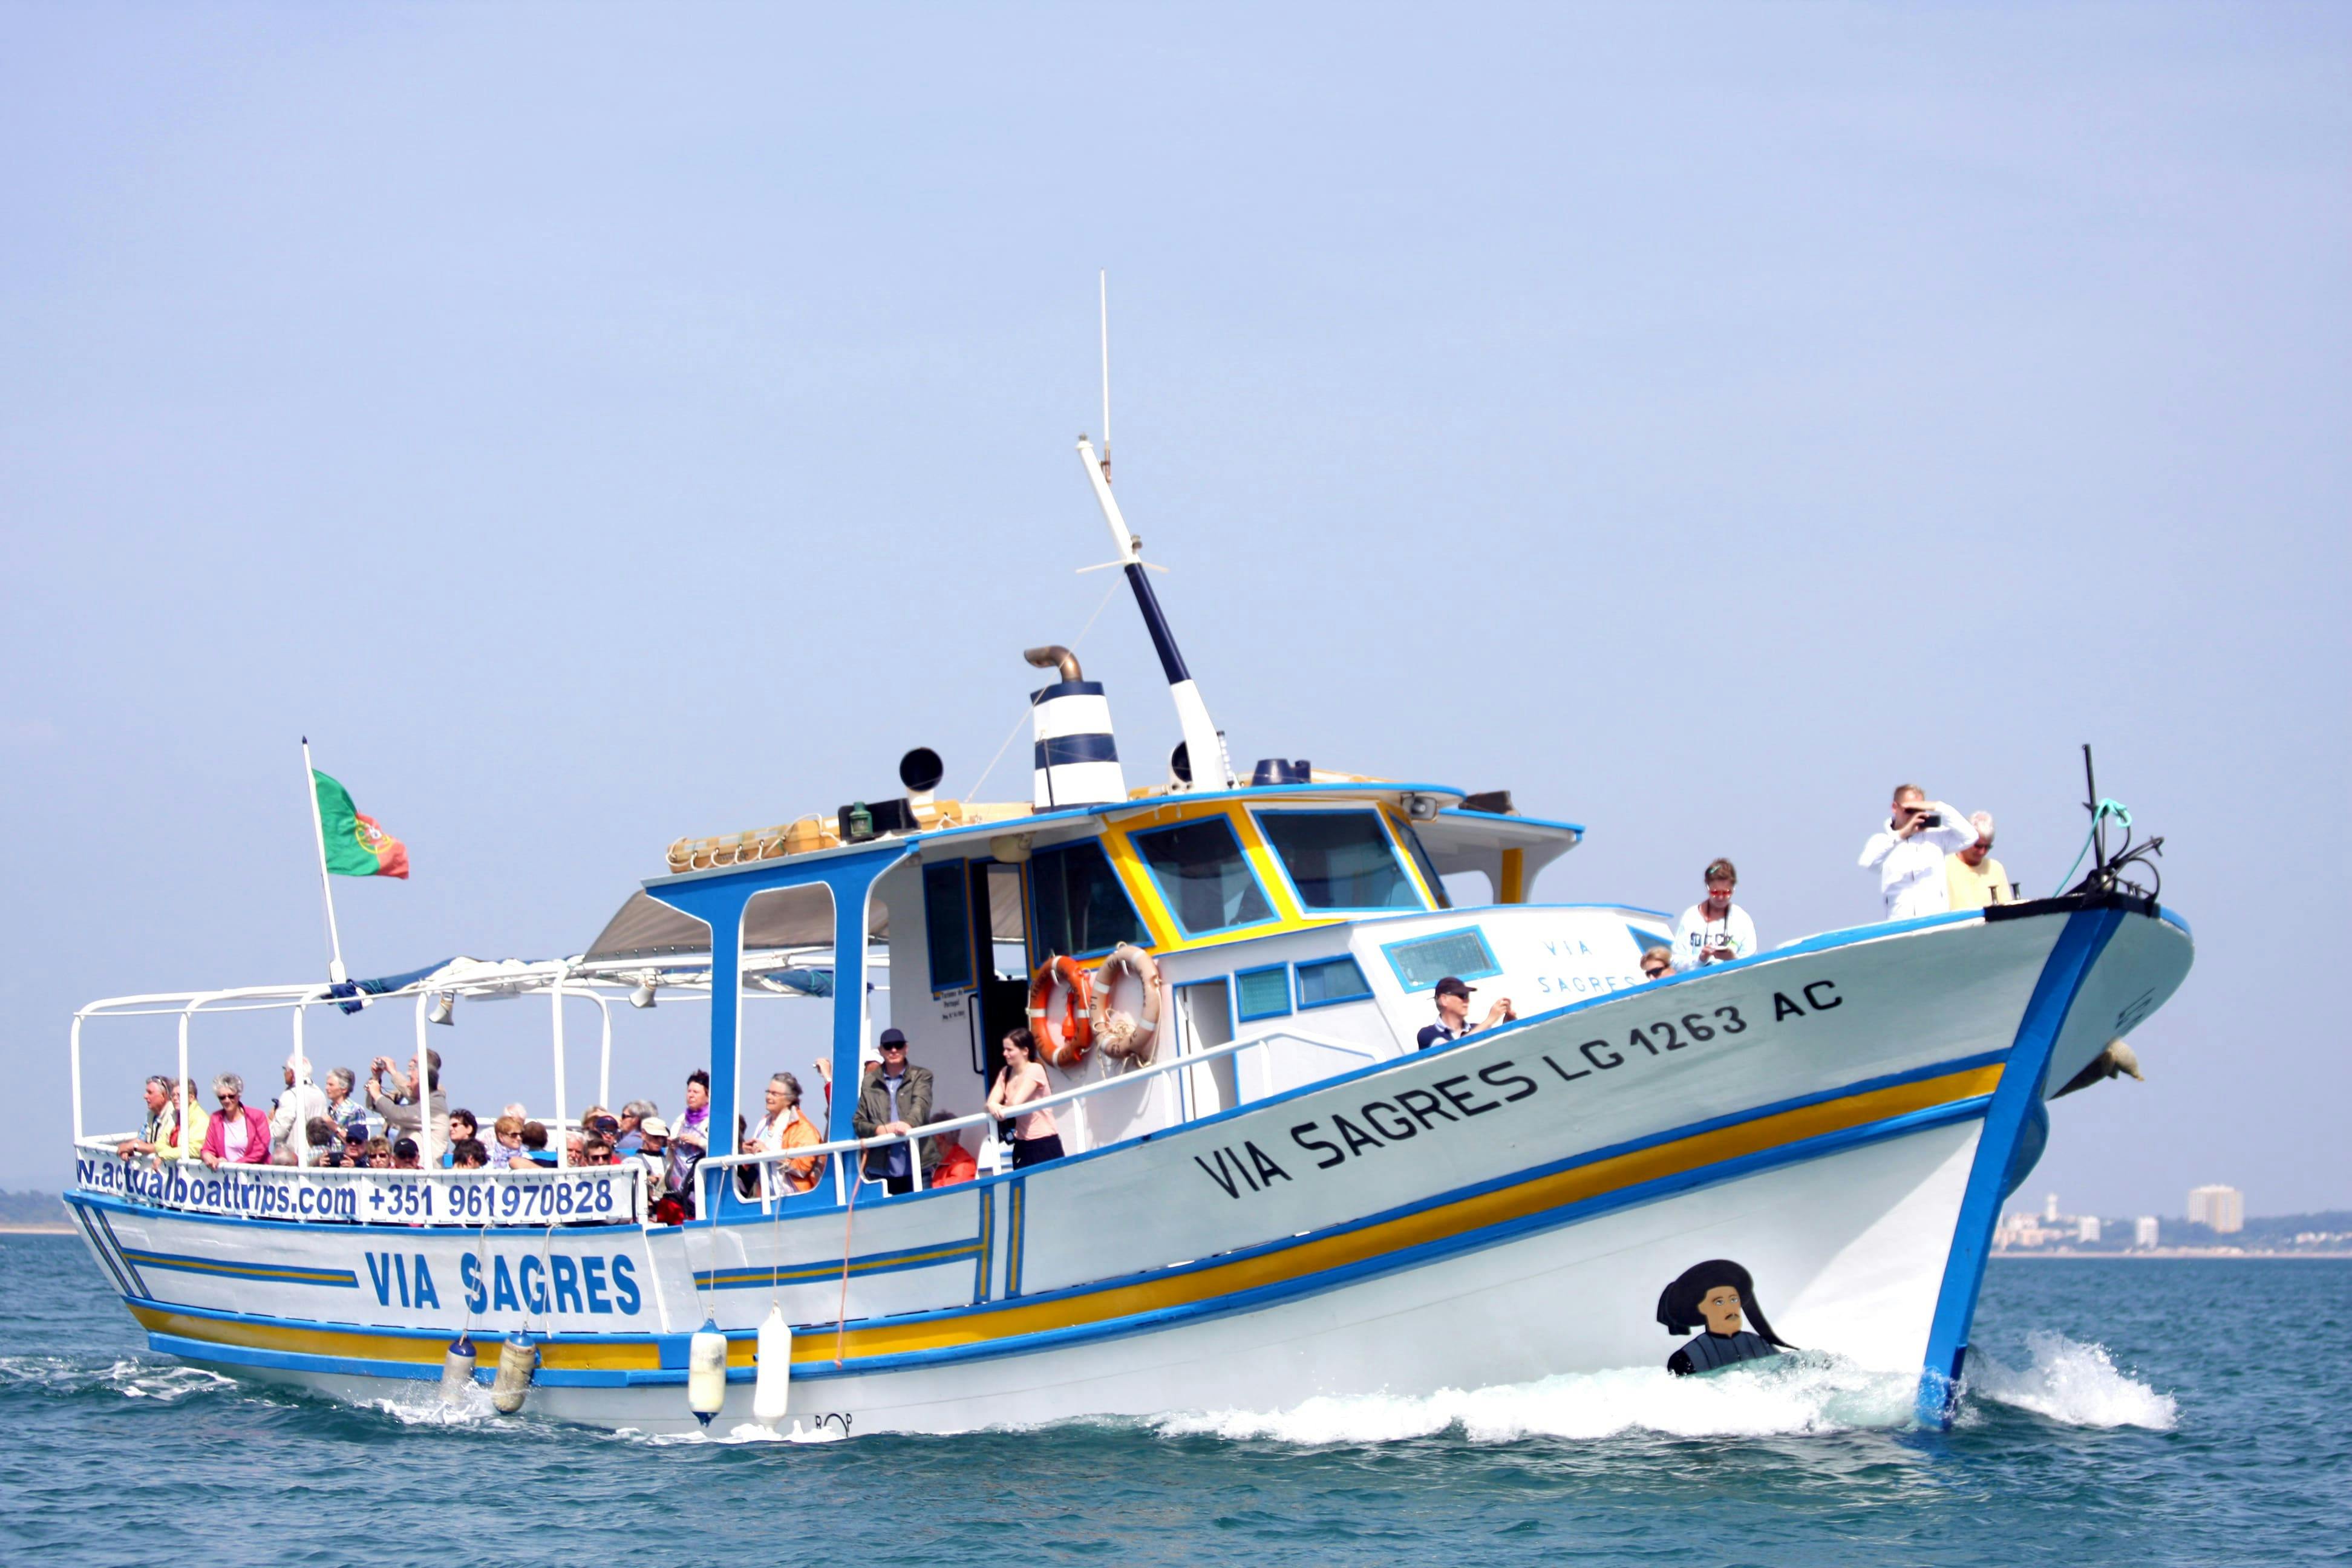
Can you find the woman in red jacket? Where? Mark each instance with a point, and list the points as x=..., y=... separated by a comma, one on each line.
x=239, y=1134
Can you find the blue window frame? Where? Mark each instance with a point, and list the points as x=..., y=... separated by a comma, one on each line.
x=1077, y=905
x=1422, y=962
x=1340, y=859
x=1424, y=865
x=947, y=925
x=1328, y=981
x=1207, y=884
x=1263, y=993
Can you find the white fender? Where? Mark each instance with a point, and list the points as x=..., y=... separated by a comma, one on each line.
x=772, y=1390
x=706, y=1371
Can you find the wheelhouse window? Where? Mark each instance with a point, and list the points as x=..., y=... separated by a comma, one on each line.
x=1203, y=875
x=1080, y=906
x=1340, y=859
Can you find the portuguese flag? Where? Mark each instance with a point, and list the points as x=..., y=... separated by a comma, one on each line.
x=356, y=846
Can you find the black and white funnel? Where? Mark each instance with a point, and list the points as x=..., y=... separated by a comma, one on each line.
x=1076, y=757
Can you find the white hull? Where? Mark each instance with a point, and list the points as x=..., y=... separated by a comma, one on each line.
x=1830, y=1143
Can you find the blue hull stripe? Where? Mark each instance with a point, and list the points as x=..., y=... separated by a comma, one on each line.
x=282, y=1274
x=749, y=1279
x=1788, y=1154
x=2020, y=1091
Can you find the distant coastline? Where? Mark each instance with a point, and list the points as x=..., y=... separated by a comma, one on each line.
x=2160, y=1253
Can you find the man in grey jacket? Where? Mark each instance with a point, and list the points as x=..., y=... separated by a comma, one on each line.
x=894, y=1099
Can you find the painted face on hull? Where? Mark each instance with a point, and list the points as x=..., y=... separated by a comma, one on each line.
x=1720, y=1306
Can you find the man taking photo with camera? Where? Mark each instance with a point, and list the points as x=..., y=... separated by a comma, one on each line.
x=1908, y=853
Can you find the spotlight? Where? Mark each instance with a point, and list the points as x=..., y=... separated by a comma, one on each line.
x=643, y=996
x=443, y=1008
x=1422, y=808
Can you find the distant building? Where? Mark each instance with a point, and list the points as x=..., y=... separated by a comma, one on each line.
x=2145, y=1231
x=2050, y=1209
x=2087, y=1228
x=2220, y=1209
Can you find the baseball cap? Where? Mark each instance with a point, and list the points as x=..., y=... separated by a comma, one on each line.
x=653, y=1127
x=1452, y=986
x=893, y=1037
x=406, y=1149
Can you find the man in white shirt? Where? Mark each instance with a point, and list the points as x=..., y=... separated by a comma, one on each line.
x=1715, y=930
x=1908, y=853
x=290, y=1119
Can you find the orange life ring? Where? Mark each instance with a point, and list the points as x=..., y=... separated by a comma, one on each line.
x=1122, y=1035
x=1068, y=1049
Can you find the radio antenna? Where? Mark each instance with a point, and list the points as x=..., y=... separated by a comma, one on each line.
x=1103, y=282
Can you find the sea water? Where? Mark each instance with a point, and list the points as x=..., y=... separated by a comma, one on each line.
x=2117, y=1412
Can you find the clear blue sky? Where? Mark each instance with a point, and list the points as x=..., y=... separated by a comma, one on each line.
x=597, y=425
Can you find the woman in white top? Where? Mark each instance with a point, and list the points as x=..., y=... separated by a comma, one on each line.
x=1023, y=1079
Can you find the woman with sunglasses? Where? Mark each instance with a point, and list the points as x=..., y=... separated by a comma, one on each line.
x=239, y=1134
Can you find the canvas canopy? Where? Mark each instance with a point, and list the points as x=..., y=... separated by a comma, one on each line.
x=780, y=918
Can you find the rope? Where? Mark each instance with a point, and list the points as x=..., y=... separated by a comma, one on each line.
x=2106, y=808
x=1079, y=641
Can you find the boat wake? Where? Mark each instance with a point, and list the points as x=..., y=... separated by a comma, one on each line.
x=1808, y=1393
x=2074, y=1383
x=61, y=1376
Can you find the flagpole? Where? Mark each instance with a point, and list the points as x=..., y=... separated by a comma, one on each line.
x=335, y=971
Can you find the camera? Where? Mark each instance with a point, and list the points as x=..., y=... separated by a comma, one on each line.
x=1933, y=820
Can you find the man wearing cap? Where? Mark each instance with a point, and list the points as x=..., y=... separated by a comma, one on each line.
x=1453, y=1014
x=652, y=1156
x=893, y=1100
x=1972, y=875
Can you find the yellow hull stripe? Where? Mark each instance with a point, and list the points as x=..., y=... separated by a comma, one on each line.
x=815, y=1345
x=1439, y=1223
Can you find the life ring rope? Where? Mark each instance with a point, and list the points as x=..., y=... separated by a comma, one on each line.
x=1120, y=1034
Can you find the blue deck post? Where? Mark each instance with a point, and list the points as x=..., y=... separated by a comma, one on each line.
x=717, y=898
x=2014, y=1101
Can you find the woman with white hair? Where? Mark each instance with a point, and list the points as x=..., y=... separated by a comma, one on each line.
x=784, y=1127
x=343, y=1108
x=1973, y=878
x=239, y=1133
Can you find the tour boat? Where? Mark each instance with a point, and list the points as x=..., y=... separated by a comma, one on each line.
x=1270, y=1190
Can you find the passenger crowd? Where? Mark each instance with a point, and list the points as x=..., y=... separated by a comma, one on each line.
x=344, y=1125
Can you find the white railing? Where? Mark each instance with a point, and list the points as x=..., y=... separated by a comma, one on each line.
x=470, y=1199
x=835, y=1152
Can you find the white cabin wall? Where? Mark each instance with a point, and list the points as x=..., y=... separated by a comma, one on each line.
x=938, y=1027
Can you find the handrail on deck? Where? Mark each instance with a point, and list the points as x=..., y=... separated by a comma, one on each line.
x=839, y=1147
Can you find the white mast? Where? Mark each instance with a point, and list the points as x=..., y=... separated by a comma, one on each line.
x=1204, y=748
x=326, y=887
x=1103, y=280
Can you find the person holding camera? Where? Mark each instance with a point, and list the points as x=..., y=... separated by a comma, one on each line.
x=1908, y=853
x=392, y=1095
x=1715, y=930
